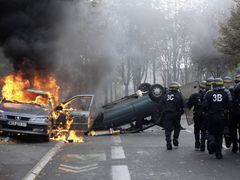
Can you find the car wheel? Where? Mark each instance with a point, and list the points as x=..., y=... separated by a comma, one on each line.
x=155, y=92
x=144, y=87
x=46, y=138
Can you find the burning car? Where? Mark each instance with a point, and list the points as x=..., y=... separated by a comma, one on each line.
x=24, y=109
x=17, y=117
x=140, y=110
x=32, y=111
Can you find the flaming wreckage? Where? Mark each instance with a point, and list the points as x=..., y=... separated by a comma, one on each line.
x=34, y=112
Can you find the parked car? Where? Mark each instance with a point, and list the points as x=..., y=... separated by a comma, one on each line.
x=137, y=110
x=27, y=118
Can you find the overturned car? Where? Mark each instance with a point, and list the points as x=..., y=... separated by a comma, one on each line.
x=141, y=110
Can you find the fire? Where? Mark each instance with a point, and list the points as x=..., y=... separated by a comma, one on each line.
x=64, y=133
x=15, y=88
x=40, y=90
x=74, y=137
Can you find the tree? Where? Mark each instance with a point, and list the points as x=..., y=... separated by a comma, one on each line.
x=229, y=41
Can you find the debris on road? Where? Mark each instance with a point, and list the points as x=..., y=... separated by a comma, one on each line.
x=7, y=140
x=104, y=133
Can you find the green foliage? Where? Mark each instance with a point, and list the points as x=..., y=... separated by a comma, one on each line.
x=229, y=41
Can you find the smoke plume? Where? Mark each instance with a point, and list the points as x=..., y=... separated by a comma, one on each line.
x=28, y=32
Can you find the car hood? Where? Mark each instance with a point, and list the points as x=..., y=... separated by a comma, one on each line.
x=26, y=109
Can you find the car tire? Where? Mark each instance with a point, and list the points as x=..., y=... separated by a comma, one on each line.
x=144, y=87
x=156, y=92
x=46, y=138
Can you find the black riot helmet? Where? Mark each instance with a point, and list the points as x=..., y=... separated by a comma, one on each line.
x=174, y=85
x=218, y=83
x=209, y=83
x=227, y=79
x=202, y=84
x=237, y=78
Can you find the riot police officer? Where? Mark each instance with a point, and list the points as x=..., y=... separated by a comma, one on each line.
x=196, y=100
x=216, y=102
x=209, y=83
x=235, y=123
x=173, y=103
x=228, y=83
x=228, y=130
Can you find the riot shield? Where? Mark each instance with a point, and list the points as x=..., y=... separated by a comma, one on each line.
x=187, y=90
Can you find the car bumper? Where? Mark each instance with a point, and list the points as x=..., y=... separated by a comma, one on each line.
x=33, y=129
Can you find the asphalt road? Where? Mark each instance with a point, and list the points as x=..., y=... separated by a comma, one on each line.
x=132, y=156
x=17, y=157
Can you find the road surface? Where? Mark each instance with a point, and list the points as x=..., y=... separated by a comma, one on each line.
x=139, y=156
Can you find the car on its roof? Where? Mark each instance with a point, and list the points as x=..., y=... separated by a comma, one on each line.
x=140, y=110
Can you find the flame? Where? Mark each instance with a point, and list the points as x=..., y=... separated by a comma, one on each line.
x=64, y=133
x=74, y=137
x=15, y=88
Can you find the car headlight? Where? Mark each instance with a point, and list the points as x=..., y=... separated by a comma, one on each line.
x=2, y=114
x=39, y=120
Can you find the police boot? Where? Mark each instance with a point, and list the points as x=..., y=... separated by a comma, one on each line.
x=227, y=141
x=169, y=146
x=212, y=147
x=219, y=155
x=197, y=145
x=175, y=142
x=235, y=148
x=239, y=145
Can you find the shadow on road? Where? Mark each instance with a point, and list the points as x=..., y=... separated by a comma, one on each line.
x=19, y=139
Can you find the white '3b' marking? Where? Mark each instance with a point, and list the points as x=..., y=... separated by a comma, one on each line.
x=217, y=98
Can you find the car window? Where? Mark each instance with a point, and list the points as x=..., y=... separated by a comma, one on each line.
x=81, y=103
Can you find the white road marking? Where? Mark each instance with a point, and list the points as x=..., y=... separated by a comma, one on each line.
x=87, y=157
x=89, y=169
x=116, y=140
x=120, y=172
x=74, y=169
x=77, y=171
x=68, y=170
x=78, y=168
x=33, y=173
x=117, y=152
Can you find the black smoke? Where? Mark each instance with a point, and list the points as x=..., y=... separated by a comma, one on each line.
x=28, y=32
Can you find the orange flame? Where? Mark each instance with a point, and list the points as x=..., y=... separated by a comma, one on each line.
x=65, y=134
x=15, y=88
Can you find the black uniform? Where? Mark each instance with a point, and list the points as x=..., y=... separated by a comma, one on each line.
x=235, y=120
x=216, y=102
x=196, y=100
x=229, y=128
x=173, y=109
